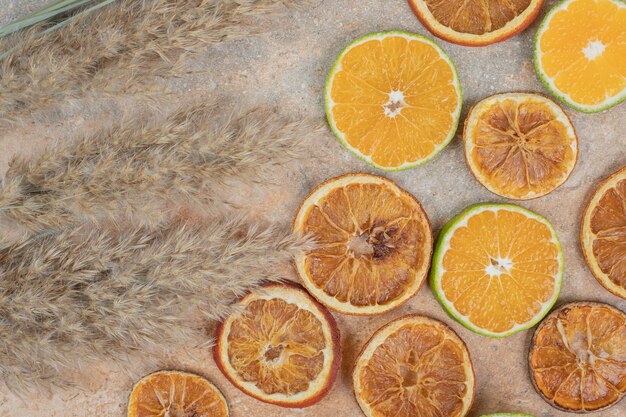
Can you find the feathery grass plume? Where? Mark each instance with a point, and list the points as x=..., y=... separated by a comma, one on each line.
x=116, y=50
x=142, y=168
x=104, y=293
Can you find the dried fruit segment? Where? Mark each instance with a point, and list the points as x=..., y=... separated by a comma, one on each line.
x=414, y=366
x=578, y=357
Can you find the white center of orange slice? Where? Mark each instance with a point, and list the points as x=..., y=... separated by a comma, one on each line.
x=593, y=50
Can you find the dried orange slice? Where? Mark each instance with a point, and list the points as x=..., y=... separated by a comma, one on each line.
x=497, y=268
x=280, y=346
x=414, y=366
x=393, y=99
x=476, y=22
x=578, y=357
x=603, y=233
x=579, y=53
x=374, y=244
x=173, y=393
x=519, y=145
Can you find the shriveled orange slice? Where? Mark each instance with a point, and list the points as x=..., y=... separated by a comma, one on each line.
x=603, y=233
x=280, y=346
x=393, y=99
x=176, y=394
x=519, y=145
x=476, y=22
x=414, y=367
x=578, y=357
x=373, y=244
x=579, y=53
x=497, y=268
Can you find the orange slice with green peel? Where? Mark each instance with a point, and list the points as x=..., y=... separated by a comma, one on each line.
x=603, y=233
x=414, y=366
x=497, y=268
x=579, y=53
x=374, y=244
x=578, y=357
x=393, y=99
x=519, y=145
x=173, y=393
x=476, y=22
x=280, y=346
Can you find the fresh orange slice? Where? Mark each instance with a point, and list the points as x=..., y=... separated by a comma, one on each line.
x=414, y=366
x=373, y=244
x=497, y=268
x=280, y=346
x=476, y=22
x=173, y=393
x=579, y=53
x=603, y=233
x=578, y=357
x=519, y=145
x=393, y=99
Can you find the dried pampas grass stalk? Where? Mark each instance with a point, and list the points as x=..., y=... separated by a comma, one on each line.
x=79, y=295
x=140, y=168
x=116, y=50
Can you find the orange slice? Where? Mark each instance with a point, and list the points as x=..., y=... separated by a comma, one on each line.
x=519, y=145
x=280, y=347
x=603, y=233
x=476, y=22
x=579, y=53
x=393, y=99
x=497, y=268
x=173, y=393
x=578, y=357
x=374, y=244
x=414, y=366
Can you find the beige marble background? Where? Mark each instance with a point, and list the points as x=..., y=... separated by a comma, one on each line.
x=286, y=66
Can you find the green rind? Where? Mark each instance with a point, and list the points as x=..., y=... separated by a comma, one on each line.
x=435, y=272
x=338, y=134
x=545, y=80
x=507, y=415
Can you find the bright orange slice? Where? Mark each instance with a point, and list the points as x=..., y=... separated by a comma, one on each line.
x=393, y=99
x=476, y=22
x=374, y=244
x=579, y=53
x=280, y=346
x=173, y=393
x=578, y=357
x=497, y=268
x=414, y=367
x=603, y=233
x=519, y=145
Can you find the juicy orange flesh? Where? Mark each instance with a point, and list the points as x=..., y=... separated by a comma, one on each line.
x=579, y=358
x=277, y=346
x=369, y=244
x=416, y=371
x=476, y=16
x=521, y=148
x=361, y=90
x=500, y=269
x=176, y=395
x=608, y=224
x=570, y=32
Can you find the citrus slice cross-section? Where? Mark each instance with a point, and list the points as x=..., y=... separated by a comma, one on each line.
x=173, y=393
x=578, y=357
x=476, y=22
x=519, y=145
x=374, y=244
x=603, y=233
x=414, y=366
x=497, y=268
x=393, y=99
x=280, y=346
x=579, y=53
